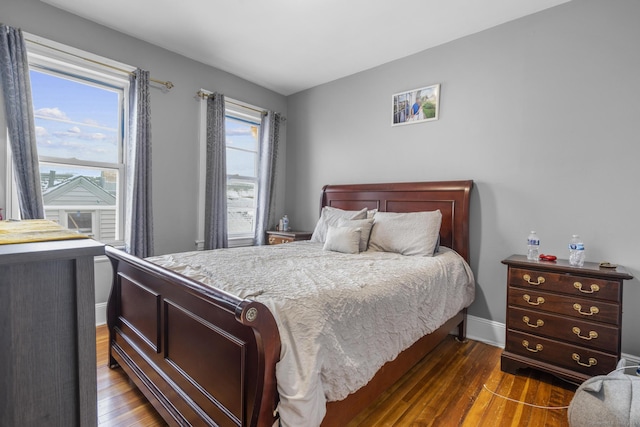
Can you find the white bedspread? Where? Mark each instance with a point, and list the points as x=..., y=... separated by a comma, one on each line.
x=341, y=317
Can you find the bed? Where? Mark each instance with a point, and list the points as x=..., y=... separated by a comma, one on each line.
x=203, y=355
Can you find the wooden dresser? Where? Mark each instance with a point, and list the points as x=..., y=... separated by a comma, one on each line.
x=47, y=333
x=562, y=319
x=278, y=237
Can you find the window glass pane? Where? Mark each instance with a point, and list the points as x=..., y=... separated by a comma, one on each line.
x=77, y=185
x=80, y=221
x=241, y=163
x=82, y=189
x=241, y=134
x=75, y=120
x=240, y=207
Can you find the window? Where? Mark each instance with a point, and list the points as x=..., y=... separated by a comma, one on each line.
x=79, y=113
x=242, y=173
x=242, y=125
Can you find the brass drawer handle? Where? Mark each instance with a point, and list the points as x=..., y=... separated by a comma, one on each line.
x=592, y=310
x=592, y=361
x=527, y=298
x=272, y=240
x=592, y=334
x=527, y=279
x=594, y=288
x=538, y=348
x=538, y=324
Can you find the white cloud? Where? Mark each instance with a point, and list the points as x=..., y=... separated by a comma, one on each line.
x=54, y=113
x=41, y=131
x=74, y=130
x=98, y=135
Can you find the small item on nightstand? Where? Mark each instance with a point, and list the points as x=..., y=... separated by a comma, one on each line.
x=606, y=264
x=576, y=251
x=533, y=245
x=285, y=223
x=548, y=257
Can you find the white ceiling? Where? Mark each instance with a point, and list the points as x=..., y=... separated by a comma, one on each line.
x=292, y=45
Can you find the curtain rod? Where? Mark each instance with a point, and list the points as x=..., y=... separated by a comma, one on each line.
x=204, y=95
x=166, y=84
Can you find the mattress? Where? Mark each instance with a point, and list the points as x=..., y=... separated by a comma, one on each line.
x=340, y=316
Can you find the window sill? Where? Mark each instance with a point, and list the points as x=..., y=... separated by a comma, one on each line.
x=234, y=242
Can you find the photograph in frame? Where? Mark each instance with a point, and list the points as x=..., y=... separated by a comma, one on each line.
x=416, y=106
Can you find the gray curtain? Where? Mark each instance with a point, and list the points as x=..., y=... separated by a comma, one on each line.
x=16, y=89
x=215, y=212
x=269, y=137
x=139, y=232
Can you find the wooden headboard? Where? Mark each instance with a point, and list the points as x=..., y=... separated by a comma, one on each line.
x=451, y=197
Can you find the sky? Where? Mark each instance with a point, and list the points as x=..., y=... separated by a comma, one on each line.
x=74, y=119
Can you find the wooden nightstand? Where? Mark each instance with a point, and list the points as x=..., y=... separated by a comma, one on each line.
x=562, y=319
x=278, y=237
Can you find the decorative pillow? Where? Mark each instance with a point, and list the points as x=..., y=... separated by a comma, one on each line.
x=330, y=216
x=412, y=233
x=365, y=226
x=343, y=239
x=371, y=212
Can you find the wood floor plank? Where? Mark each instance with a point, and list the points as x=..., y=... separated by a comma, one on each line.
x=452, y=386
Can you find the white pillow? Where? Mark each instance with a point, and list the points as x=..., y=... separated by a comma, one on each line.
x=343, y=239
x=412, y=233
x=330, y=216
x=365, y=226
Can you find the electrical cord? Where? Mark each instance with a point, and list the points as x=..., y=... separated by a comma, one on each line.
x=524, y=403
x=549, y=407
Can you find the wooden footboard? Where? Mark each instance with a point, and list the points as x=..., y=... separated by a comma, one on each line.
x=199, y=355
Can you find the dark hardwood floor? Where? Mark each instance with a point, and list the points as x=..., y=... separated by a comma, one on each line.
x=452, y=386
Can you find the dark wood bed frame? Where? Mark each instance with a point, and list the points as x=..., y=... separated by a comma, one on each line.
x=202, y=356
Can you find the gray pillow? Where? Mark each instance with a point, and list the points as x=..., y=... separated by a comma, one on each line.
x=411, y=233
x=365, y=226
x=330, y=216
x=343, y=239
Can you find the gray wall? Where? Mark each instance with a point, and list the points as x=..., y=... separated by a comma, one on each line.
x=542, y=113
x=174, y=115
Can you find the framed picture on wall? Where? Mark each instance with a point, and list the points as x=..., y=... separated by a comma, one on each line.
x=416, y=106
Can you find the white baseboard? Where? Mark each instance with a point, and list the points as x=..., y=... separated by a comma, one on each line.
x=101, y=313
x=486, y=331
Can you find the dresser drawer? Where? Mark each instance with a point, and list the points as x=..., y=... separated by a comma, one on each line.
x=278, y=240
x=565, y=283
x=582, y=308
x=589, y=334
x=577, y=358
x=280, y=237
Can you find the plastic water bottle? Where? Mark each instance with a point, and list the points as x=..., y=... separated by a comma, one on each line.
x=576, y=251
x=533, y=244
x=285, y=223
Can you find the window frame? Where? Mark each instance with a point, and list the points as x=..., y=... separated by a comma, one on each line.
x=64, y=61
